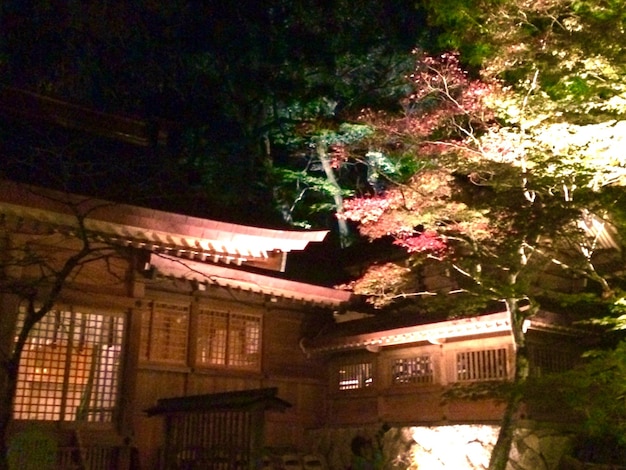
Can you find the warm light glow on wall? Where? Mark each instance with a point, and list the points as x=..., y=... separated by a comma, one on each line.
x=458, y=447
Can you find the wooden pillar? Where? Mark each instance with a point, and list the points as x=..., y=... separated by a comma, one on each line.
x=128, y=378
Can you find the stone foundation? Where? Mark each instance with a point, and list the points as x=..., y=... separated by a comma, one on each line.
x=453, y=447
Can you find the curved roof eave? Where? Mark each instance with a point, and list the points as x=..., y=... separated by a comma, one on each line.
x=210, y=274
x=153, y=229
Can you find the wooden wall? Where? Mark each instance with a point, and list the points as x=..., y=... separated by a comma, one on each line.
x=113, y=285
x=300, y=380
x=411, y=403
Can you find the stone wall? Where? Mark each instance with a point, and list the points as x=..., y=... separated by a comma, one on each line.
x=453, y=447
x=540, y=447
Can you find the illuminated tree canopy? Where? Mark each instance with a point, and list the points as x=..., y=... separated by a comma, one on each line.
x=501, y=166
x=483, y=138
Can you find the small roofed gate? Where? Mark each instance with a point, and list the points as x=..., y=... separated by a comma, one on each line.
x=220, y=431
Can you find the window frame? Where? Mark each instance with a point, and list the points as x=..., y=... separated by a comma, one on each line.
x=151, y=350
x=73, y=371
x=248, y=360
x=481, y=363
x=545, y=359
x=364, y=370
x=413, y=380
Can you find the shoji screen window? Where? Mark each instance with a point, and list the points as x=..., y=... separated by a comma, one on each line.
x=226, y=339
x=164, y=332
x=70, y=368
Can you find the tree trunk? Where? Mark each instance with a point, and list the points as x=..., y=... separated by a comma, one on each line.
x=9, y=306
x=502, y=449
x=344, y=232
x=12, y=349
x=8, y=385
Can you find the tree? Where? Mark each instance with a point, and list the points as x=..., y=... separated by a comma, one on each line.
x=500, y=198
x=488, y=173
x=519, y=170
x=227, y=72
x=38, y=262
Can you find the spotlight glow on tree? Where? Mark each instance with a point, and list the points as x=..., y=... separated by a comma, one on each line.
x=498, y=199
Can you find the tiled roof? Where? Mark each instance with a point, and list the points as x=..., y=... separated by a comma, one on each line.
x=181, y=247
x=222, y=276
x=164, y=232
x=431, y=332
x=262, y=398
x=349, y=337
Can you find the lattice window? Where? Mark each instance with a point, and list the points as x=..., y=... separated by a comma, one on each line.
x=228, y=339
x=412, y=370
x=164, y=333
x=488, y=364
x=549, y=359
x=355, y=376
x=70, y=368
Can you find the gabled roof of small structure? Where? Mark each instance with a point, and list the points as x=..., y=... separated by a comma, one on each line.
x=164, y=232
x=243, y=400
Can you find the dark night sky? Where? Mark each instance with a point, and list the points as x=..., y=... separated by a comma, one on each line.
x=201, y=65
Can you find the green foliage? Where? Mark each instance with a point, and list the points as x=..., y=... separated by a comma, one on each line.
x=347, y=134
x=305, y=181
x=296, y=120
x=250, y=75
x=375, y=79
x=494, y=390
x=616, y=320
x=462, y=25
x=304, y=198
x=594, y=391
x=300, y=192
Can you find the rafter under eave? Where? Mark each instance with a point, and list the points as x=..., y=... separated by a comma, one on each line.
x=221, y=276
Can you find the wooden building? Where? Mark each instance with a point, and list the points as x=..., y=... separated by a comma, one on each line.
x=396, y=370
x=403, y=368
x=171, y=331
x=174, y=327
x=163, y=306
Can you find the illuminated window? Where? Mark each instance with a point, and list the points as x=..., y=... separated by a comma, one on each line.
x=70, y=368
x=489, y=364
x=355, y=376
x=164, y=333
x=412, y=370
x=228, y=339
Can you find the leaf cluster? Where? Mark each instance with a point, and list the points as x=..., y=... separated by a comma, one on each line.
x=594, y=391
x=241, y=78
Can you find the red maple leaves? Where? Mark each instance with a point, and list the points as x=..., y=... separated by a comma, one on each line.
x=443, y=113
x=427, y=241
